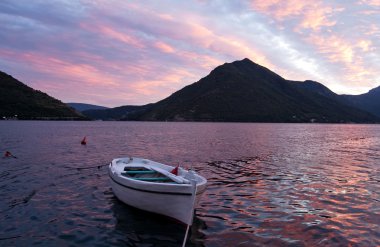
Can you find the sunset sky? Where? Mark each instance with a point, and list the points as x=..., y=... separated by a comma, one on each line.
x=118, y=52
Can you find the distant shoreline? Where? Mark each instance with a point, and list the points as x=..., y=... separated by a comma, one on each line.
x=147, y=121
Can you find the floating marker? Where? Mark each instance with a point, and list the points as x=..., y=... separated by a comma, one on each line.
x=84, y=141
x=9, y=155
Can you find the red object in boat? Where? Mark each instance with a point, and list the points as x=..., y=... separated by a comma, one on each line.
x=84, y=141
x=175, y=170
x=8, y=154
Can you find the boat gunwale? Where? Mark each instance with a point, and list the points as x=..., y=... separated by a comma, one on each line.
x=138, y=183
x=151, y=186
x=151, y=191
x=203, y=181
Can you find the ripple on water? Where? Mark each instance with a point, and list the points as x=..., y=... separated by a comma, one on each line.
x=269, y=184
x=287, y=207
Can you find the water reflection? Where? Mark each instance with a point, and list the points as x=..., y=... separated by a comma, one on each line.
x=288, y=208
x=135, y=227
x=269, y=184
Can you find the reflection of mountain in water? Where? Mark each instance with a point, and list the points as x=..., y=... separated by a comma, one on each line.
x=134, y=227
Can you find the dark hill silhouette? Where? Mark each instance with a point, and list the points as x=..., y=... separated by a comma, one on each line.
x=247, y=92
x=369, y=101
x=84, y=107
x=117, y=113
x=18, y=99
x=316, y=87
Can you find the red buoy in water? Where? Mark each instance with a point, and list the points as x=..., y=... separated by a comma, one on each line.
x=84, y=141
x=9, y=155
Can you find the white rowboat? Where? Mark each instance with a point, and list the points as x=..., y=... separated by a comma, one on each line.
x=152, y=186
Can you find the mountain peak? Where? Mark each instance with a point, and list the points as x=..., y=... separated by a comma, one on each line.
x=248, y=92
x=246, y=60
x=257, y=71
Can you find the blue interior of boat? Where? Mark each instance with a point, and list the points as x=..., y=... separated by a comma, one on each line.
x=140, y=172
x=153, y=179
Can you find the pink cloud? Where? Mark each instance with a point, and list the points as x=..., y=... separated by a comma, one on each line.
x=64, y=79
x=136, y=83
x=164, y=47
x=372, y=29
x=111, y=32
x=84, y=73
x=280, y=9
x=313, y=15
x=347, y=55
x=139, y=52
x=121, y=36
x=365, y=45
x=370, y=2
x=201, y=37
x=197, y=46
x=334, y=47
x=316, y=18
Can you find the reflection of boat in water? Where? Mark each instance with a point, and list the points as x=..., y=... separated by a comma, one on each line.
x=134, y=226
x=156, y=187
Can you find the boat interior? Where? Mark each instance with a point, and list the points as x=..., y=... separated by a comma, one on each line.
x=145, y=174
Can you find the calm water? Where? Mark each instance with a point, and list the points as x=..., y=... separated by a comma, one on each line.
x=269, y=184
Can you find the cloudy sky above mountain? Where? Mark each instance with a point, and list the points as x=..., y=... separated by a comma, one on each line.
x=118, y=52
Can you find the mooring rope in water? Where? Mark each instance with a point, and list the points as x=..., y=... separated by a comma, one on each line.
x=87, y=167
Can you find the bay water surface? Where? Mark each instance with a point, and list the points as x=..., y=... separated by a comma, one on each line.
x=269, y=184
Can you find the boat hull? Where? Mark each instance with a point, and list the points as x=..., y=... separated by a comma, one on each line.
x=175, y=201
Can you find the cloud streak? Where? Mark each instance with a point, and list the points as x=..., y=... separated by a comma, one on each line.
x=119, y=52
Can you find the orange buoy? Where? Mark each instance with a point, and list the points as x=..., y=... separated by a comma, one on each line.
x=84, y=141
